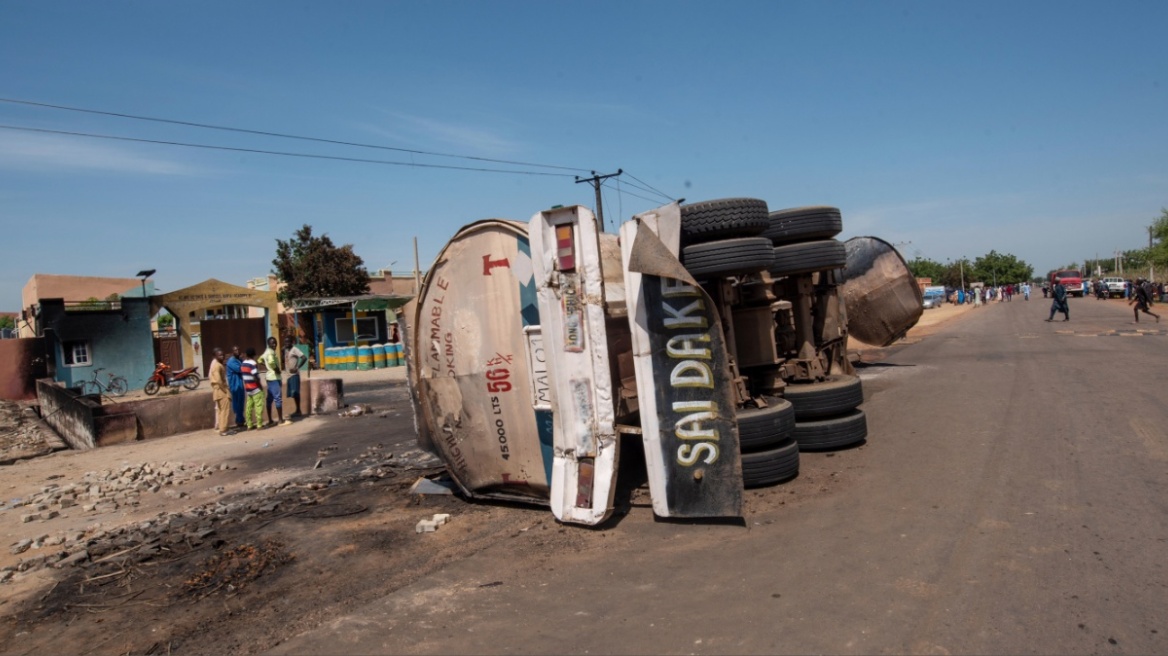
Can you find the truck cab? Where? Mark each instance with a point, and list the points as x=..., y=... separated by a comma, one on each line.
x=1071, y=279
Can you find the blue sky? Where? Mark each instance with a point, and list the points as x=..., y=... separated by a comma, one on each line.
x=1033, y=128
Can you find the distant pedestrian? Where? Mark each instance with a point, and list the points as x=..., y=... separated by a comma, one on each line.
x=253, y=414
x=1059, y=293
x=220, y=392
x=271, y=360
x=1142, y=297
x=294, y=359
x=235, y=385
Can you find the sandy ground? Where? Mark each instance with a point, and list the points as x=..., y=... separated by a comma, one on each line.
x=269, y=544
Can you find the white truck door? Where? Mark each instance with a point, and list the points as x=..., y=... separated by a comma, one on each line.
x=566, y=259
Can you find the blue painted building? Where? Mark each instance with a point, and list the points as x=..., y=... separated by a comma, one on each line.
x=83, y=336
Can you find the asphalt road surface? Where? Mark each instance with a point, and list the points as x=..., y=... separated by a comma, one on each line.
x=1011, y=498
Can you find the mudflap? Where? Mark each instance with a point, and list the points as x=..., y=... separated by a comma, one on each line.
x=688, y=418
x=566, y=259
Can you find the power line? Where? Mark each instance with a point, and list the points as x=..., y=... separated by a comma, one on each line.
x=622, y=191
x=209, y=126
x=284, y=153
x=647, y=190
x=650, y=187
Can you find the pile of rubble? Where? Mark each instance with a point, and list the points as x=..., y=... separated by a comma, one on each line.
x=173, y=534
x=22, y=435
x=108, y=490
x=169, y=535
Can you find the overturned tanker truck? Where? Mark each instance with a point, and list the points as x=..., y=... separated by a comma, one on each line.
x=714, y=333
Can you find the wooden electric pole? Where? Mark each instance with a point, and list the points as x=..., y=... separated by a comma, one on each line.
x=595, y=181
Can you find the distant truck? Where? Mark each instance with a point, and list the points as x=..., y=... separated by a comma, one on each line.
x=1071, y=279
x=712, y=334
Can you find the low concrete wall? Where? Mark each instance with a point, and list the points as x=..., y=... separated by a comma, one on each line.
x=69, y=414
x=167, y=415
x=84, y=423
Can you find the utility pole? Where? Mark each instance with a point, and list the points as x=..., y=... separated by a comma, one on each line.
x=595, y=181
x=417, y=271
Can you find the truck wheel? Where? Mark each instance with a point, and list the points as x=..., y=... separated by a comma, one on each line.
x=834, y=433
x=770, y=467
x=728, y=257
x=722, y=219
x=763, y=428
x=808, y=257
x=804, y=224
x=833, y=397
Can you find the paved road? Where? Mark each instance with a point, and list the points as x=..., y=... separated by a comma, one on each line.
x=1012, y=499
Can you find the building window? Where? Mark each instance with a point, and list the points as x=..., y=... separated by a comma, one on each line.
x=76, y=354
x=366, y=329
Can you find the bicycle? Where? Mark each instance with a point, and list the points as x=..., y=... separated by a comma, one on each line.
x=114, y=385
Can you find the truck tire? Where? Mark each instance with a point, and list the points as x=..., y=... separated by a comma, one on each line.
x=764, y=428
x=770, y=467
x=728, y=257
x=804, y=224
x=722, y=219
x=808, y=257
x=833, y=397
x=834, y=433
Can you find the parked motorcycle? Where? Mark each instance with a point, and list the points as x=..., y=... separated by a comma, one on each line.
x=163, y=376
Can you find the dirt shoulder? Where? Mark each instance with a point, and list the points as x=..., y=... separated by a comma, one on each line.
x=214, y=544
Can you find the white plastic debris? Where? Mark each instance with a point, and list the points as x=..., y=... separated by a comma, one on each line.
x=430, y=525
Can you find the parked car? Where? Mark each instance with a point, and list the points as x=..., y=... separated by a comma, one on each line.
x=933, y=300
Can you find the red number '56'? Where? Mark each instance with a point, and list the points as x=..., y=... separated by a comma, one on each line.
x=498, y=380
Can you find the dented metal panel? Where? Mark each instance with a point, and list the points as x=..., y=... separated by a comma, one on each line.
x=684, y=385
x=473, y=338
x=567, y=262
x=882, y=297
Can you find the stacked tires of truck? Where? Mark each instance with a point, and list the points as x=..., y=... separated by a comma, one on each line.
x=776, y=278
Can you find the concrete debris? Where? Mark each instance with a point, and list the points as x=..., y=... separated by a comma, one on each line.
x=23, y=435
x=356, y=410
x=105, y=547
x=430, y=525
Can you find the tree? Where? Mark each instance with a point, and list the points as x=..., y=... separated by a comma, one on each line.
x=1000, y=268
x=926, y=268
x=6, y=321
x=313, y=267
x=165, y=321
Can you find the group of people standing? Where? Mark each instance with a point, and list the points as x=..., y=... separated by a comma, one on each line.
x=236, y=386
x=1001, y=293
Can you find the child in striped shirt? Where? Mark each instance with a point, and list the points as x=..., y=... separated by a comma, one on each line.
x=254, y=403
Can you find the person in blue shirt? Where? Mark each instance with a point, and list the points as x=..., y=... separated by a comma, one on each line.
x=235, y=384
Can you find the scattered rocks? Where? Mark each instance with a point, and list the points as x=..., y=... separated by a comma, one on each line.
x=109, y=490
